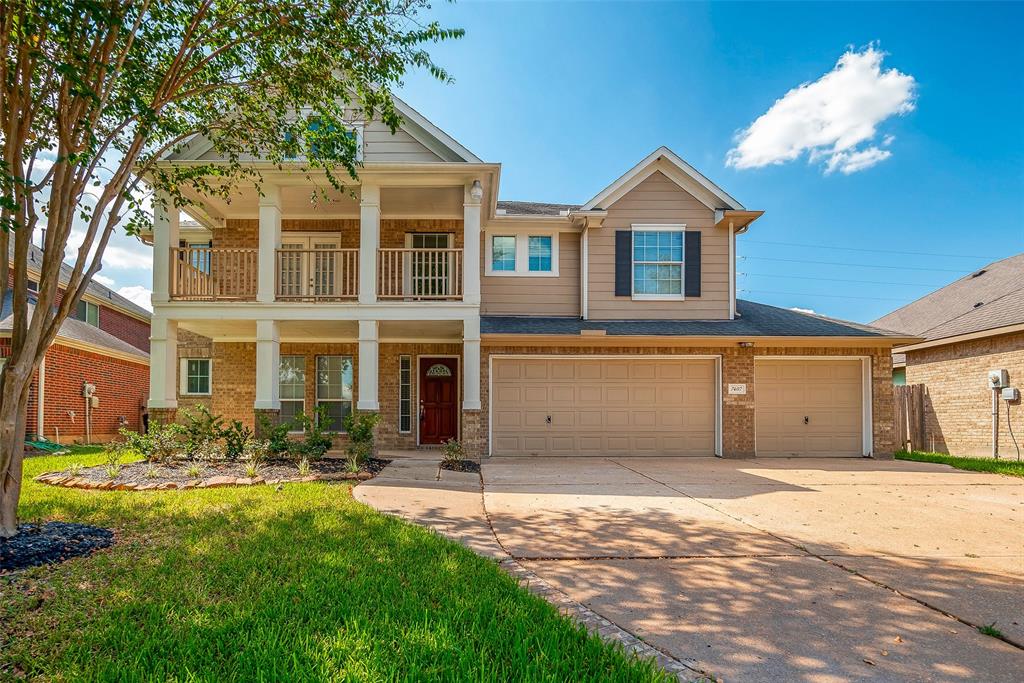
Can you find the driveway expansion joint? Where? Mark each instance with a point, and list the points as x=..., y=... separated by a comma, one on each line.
x=826, y=559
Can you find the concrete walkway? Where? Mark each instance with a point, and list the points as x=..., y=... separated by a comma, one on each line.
x=797, y=570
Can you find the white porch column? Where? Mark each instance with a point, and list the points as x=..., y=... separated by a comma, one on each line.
x=471, y=363
x=163, y=363
x=269, y=243
x=268, y=360
x=368, y=361
x=165, y=236
x=369, y=241
x=471, y=244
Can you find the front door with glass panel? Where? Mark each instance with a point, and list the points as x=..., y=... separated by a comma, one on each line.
x=309, y=267
x=429, y=272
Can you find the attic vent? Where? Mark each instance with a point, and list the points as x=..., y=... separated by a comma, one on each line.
x=978, y=304
x=979, y=273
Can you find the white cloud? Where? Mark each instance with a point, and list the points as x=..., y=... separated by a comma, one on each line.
x=139, y=295
x=103, y=280
x=122, y=251
x=834, y=119
x=809, y=311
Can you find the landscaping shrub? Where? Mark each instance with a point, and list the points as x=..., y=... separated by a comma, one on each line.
x=235, y=438
x=452, y=451
x=201, y=427
x=255, y=450
x=275, y=435
x=316, y=442
x=359, y=427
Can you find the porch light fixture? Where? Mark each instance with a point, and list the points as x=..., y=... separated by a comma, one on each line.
x=476, y=192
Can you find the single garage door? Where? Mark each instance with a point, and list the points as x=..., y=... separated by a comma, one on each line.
x=603, y=406
x=808, y=408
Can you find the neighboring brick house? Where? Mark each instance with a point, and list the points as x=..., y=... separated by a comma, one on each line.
x=969, y=327
x=609, y=327
x=104, y=343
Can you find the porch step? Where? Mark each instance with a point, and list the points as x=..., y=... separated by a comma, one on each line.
x=423, y=453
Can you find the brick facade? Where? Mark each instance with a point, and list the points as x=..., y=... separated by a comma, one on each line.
x=958, y=402
x=121, y=385
x=125, y=327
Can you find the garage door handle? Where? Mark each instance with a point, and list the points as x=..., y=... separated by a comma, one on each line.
x=548, y=420
x=807, y=420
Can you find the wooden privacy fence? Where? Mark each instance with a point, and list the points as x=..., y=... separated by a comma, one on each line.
x=909, y=417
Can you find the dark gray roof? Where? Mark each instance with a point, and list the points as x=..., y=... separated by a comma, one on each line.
x=988, y=298
x=753, y=320
x=535, y=208
x=72, y=330
x=101, y=292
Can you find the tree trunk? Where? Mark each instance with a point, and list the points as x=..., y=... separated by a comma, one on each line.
x=13, y=409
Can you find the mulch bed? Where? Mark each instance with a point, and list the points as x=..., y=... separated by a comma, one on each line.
x=49, y=543
x=142, y=476
x=461, y=466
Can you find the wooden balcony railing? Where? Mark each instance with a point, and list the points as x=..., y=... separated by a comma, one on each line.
x=317, y=274
x=419, y=274
x=213, y=274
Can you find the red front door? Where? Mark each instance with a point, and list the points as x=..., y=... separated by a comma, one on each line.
x=439, y=400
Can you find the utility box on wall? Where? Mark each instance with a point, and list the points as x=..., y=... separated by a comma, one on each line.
x=998, y=379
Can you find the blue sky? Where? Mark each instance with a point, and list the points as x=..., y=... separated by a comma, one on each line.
x=569, y=96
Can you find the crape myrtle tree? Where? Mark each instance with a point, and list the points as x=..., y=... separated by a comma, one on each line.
x=94, y=92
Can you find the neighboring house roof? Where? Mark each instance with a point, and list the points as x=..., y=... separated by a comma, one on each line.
x=77, y=332
x=754, y=320
x=987, y=299
x=535, y=208
x=672, y=166
x=98, y=291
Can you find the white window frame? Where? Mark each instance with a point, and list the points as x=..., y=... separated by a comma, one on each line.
x=339, y=428
x=293, y=400
x=183, y=377
x=522, y=236
x=657, y=227
x=490, y=253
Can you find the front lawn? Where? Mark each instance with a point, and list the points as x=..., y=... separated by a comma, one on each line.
x=1013, y=468
x=297, y=582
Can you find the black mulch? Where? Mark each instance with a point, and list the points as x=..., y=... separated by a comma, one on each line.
x=49, y=543
x=461, y=466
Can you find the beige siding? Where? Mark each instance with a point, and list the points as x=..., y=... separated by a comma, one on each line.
x=658, y=200
x=559, y=296
x=380, y=145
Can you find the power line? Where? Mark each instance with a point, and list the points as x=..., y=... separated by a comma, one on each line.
x=857, y=265
x=830, y=296
x=832, y=279
x=872, y=251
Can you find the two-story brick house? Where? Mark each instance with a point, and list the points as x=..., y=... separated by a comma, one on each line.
x=609, y=327
x=104, y=343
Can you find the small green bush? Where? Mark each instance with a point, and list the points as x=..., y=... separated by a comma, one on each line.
x=201, y=427
x=452, y=451
x=255, y=450
x=316, y=441
x=359, y=427
x=275, y=435
x=235, y=438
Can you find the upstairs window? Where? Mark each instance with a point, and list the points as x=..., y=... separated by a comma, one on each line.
x=523, y=255
x=503, y=253
x=540, y=254
x=657, y=263
x=88, y=312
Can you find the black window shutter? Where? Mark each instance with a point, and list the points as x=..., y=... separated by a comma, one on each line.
x=692, y=264
x=623, y=263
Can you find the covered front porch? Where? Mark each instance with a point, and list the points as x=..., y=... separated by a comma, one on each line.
x=421, y=376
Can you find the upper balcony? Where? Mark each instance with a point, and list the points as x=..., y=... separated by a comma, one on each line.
x=417, y=241
x=321, y=274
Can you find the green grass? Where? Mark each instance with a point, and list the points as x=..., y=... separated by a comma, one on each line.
x=259, y=584
x=1013, y=468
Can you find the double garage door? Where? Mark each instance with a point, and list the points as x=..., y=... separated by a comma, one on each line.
x=603, y=406
x=668, y=406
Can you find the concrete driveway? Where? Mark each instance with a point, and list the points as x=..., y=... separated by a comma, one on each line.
x=781, y=570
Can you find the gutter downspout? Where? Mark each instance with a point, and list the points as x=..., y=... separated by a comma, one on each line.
x=41, y=397
x=732, y=271
x=584, y=272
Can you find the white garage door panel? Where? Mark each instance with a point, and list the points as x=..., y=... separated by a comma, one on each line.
x=829, y=393
x=603, y=406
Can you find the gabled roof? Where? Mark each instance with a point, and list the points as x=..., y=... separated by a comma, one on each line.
x=534, y=208
x=987, y=299
x=754, y=320
x=673, y=167
x=101, y=292
x=414, y=123
x=77, y=332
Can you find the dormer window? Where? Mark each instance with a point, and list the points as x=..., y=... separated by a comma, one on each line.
x=658, y=262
